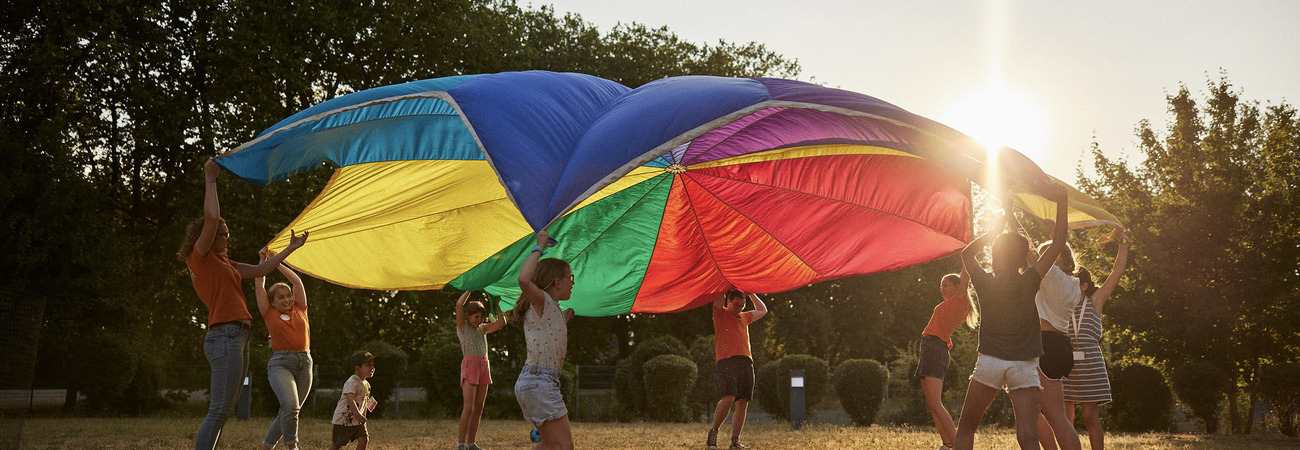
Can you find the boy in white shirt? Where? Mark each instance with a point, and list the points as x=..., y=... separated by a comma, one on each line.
x=350, y=414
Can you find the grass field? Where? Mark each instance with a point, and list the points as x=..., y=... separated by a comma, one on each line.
x=176, y=433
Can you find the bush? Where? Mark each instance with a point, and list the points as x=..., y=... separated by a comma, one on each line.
x=438, y=372
x=860, y=384
x=773, y=383
x=390, y=366
x=568, y=385
x=629, y=376
x=264, y=400
x=904, y=404
x=104, y=370
x=144, y=393
x=668, y=381
x=1201, y=386
x=705, y=394
x=1277, y=384
x=1142, y=400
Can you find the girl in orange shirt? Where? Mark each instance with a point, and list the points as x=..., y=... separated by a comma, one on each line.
x=936, y=340
x=216, y=281
x=284, y=309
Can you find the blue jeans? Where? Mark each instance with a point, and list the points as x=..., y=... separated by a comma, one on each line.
x=226, y=347
x=290, y=376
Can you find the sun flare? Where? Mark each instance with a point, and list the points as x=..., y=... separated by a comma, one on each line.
x=997, y=116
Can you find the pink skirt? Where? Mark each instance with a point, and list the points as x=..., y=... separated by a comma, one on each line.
x=474, y=370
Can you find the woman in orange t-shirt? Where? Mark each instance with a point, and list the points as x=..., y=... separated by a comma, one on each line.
x=216, y=281
x=936, y=340
x=284, y=309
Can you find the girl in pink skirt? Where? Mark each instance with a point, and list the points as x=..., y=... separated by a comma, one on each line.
x=475, y=375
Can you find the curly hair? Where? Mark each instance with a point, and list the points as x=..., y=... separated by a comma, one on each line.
x=192, y=233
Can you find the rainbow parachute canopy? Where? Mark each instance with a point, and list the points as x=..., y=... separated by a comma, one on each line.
x=662, y=197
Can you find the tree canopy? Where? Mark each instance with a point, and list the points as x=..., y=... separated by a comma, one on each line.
x=111, y=108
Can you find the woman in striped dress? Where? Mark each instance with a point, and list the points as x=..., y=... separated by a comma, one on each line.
x=1088, y=383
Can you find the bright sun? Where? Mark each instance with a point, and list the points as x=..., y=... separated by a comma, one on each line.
x=997, y=116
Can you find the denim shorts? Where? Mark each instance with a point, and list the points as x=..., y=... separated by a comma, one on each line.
x=934, y=357
x=999, y=373
x=538, y=392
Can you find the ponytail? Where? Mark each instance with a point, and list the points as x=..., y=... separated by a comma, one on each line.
x=548, y=270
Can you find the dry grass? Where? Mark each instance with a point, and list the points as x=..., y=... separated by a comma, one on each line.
x=175, y=433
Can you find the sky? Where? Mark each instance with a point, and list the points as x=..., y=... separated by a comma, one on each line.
x=1048, y=78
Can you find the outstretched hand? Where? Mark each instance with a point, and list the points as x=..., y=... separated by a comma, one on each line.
x=1118, y=233
x=295, y=240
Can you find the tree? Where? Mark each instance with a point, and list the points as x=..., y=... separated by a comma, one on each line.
x=1212, y=211
x=111, y=107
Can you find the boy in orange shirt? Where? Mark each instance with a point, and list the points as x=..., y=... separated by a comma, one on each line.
x=735, y=365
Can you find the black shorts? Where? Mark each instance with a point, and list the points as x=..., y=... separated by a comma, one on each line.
x=933, y=357
x=736, y=377
x=342, y=435
x=1058, y=355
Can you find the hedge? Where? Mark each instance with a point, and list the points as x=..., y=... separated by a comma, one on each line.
x=1142, y=399
x=860, y=385
x=1202, y=386
x=668, y=381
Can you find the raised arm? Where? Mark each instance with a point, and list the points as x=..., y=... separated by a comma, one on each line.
x=266, y=266
x=460, y=309
x=492, y=325
x=760, y=309
x=1112, y=281
x=528, y=290
x=259, y=287
x=963, y=285
x=211, y=208
x=970, y=254
x=299, y=291
x=1061, y=196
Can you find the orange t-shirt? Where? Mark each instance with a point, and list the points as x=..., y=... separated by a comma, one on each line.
x=732, y=333
x=216, y=280
x=948, y=315
x=289, y=331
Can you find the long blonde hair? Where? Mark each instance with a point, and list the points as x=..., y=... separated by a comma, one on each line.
x=973, y=317
x=192, y=233
x=548, y=270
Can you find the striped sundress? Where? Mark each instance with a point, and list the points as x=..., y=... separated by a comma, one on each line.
x=1088, y=381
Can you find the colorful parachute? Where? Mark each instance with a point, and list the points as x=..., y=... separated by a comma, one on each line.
x=662, y=197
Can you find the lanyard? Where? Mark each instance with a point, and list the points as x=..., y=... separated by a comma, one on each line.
x=1078, y=319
